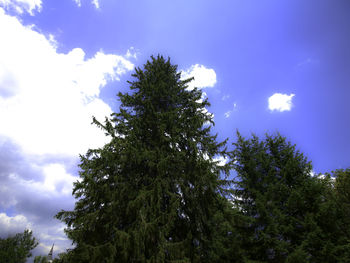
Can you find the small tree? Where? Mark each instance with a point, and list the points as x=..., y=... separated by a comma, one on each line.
x=154, y=193
x=17, y=248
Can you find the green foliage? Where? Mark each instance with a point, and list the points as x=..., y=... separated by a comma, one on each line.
x=337, y=216
x=342, y=195
x=41, y=259
x=154, y=193
x=289, y=215
x=17, y=248
x=63, y=257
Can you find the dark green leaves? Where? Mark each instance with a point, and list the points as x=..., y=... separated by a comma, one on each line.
x=152, y=193
x=17, y=248
x=155, y=193
x=291, y=216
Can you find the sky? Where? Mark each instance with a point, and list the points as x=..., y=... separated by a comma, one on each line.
x=265, y=66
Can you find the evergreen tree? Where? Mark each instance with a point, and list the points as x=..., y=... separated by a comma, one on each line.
x=41, y=259
x=335, y=217
x=342, y=197
x=154, y=193
x=285, y=209
x=17, y=248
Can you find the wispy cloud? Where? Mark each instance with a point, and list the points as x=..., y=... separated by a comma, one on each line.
x=228, y=113
x=96, y=3
x=21, y=6
x=132, y=53
x=78, y=2
x=280, y=102
x=225, y=97
x=307, y=61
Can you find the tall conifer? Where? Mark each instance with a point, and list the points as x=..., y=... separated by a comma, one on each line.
x=283, y=204
x=154, y=193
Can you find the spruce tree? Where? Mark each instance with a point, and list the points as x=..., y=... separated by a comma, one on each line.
x=341, y=183
x=154, y=193
x=335, y=216
x=285, y=209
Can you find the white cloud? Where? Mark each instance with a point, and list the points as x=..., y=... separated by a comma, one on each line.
x=221, y=160
x=78, y=2
x=36, y=198
x=320, y=175
x=47, y=99
x=21, y=6
x=96, y=3
x=280, y=102
x=56, y=183
x=45, y=234
x=57, y=179
x=228, y=113
x=132, y=53
x=205, y=110
x=203, y=77
x=15, y=224
x=312, y=173
x=225, y=97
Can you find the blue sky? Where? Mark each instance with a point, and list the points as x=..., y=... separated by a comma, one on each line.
x=264, y=65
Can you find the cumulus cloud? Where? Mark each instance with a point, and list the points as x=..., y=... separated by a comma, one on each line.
x=12, y=225
x=21, y=6
x=203, y=77
x=280, y=102
x=34, y=190
x=47, y=99
x=56, y=181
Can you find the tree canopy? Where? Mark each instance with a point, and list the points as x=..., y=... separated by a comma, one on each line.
x=290, y=215
x=17, y=248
